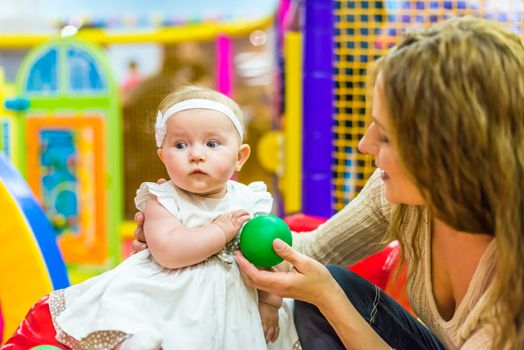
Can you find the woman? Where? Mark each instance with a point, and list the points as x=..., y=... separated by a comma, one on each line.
x=448, y=138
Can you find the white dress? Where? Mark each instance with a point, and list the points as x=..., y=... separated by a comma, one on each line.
x=204, y=306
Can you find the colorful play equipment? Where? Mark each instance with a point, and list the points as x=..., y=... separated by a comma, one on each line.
x=30, y=264
x=326, y=65
x=69, y=148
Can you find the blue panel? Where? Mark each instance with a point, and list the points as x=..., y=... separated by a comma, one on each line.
x=58, y=155
x=42, y=76
x=19, y=104
x=84, y=72
x=318, y=108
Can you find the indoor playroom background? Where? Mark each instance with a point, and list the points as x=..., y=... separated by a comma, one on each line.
x=80, y=81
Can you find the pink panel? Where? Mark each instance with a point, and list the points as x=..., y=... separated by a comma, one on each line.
x=1, y=325
x=224, y=65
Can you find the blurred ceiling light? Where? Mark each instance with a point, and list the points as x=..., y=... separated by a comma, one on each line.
x=258, y=37
x=255, y=68
x=68, y=30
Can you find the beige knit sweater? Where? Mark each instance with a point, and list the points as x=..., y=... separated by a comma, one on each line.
x=358, y=230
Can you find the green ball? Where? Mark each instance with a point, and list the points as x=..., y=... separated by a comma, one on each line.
x=45, y=347
x=257, y=236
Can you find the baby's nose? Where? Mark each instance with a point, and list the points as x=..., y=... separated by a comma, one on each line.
x=197, y=155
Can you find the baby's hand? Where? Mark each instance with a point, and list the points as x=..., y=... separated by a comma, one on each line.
x=231, y=222
x=269, y=317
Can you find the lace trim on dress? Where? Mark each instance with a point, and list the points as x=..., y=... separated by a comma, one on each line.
x=101, y=340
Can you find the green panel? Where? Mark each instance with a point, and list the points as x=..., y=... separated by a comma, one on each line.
x=106, y=103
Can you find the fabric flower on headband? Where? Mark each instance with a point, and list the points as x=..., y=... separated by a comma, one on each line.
x=160, y=129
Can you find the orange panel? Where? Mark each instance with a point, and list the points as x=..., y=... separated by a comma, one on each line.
x=89, y=246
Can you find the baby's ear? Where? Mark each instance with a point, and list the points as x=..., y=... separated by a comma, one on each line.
x=160, y=154
x=243, y=154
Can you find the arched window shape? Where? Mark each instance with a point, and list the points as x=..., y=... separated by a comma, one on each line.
x=84, y=72
x=43, y=77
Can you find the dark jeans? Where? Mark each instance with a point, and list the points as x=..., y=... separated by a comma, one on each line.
x=390, y=320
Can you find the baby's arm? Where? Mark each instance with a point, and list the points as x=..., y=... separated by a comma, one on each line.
x=173, y=245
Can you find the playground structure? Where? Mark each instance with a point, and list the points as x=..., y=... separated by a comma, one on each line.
x=69, y=149
x=326, y=96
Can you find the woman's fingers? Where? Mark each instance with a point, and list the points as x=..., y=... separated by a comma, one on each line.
x=137, y=246
x=255, y=277
x=139, y=218
x=246, y=267
x=139, y=232
x=138, y=243
x=289, y=254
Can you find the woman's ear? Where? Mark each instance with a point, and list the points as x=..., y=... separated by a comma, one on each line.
x=160, y=154
x=243, y=154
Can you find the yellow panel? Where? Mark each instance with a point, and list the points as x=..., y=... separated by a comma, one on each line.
x=188, y=32
x=269, y=151
x=24, y=277
x=291, y=180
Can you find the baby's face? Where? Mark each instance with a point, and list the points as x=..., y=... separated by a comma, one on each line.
x=201, y=151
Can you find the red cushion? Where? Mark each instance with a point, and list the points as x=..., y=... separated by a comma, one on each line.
x=36, y=329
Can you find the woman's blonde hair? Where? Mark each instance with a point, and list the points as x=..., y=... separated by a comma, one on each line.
x=190, y=91
x=455, y=97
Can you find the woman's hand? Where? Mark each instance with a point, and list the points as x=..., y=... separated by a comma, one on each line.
x=139, y=243
x=308, y=280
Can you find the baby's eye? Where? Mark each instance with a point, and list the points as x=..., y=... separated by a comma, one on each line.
x=212, y=144
x=180, y=145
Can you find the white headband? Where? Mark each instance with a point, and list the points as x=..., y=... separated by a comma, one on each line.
x=196, y=103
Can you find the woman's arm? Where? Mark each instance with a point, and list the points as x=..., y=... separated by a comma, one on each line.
x=174, y=245
x=311, y=282
x=355, y=232
x=352, y=329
